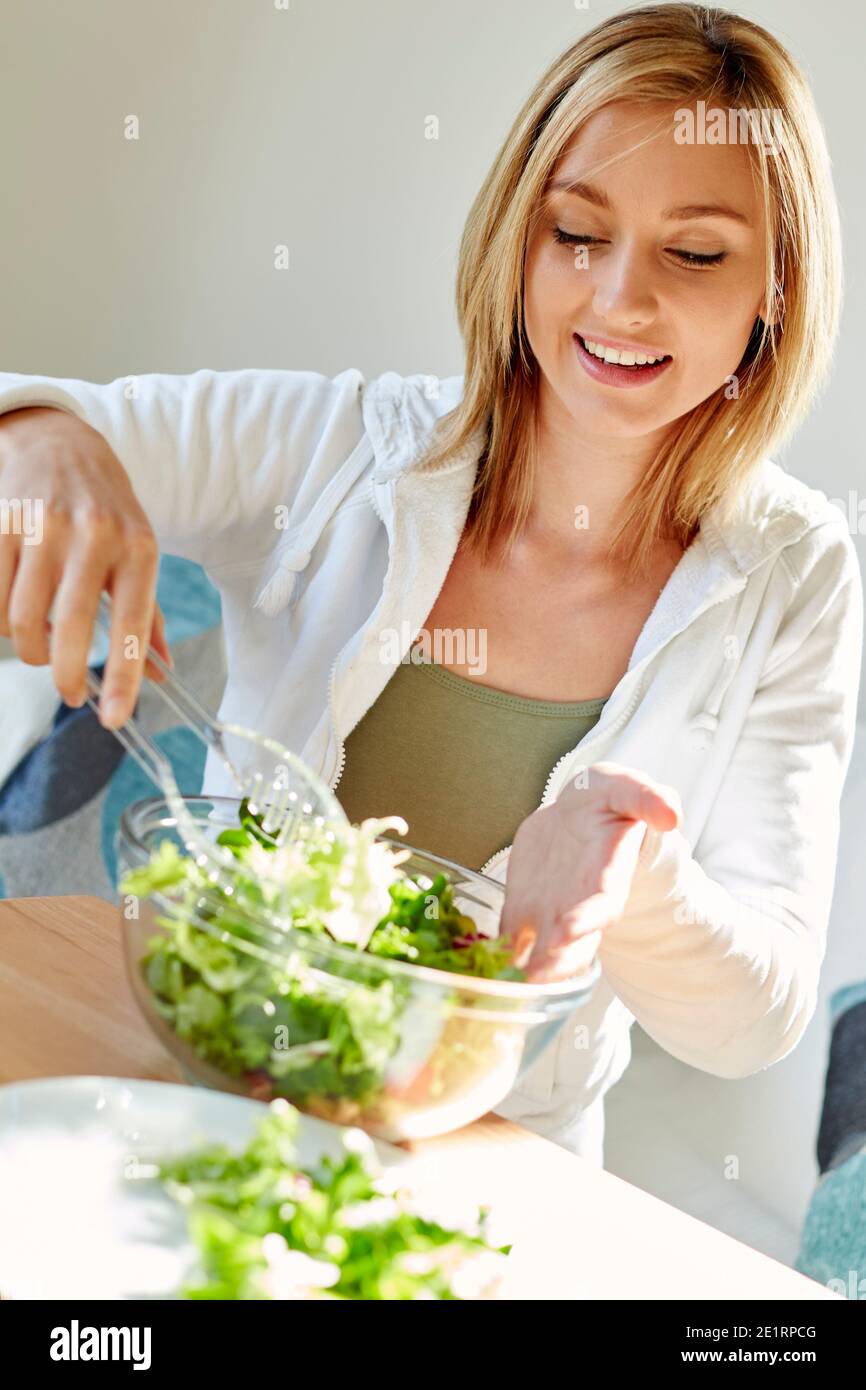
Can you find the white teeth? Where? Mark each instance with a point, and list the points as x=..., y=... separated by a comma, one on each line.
x=623, y=359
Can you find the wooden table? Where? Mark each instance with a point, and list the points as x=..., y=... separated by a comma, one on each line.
x=66, y=1009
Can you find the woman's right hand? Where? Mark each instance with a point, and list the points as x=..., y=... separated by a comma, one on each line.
x=79, y=531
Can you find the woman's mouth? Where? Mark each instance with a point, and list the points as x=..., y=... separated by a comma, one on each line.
x=619, y=372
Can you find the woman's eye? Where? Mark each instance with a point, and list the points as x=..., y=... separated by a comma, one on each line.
x=698, y=257
x=686, y=258
x=573, y=238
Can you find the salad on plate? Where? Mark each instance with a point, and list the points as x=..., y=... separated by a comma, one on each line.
x=265, y=1226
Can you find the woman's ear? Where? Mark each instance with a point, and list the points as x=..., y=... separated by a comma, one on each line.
x=770, y=311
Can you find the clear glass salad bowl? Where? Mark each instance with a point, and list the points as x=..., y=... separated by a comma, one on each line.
x=402, y=1051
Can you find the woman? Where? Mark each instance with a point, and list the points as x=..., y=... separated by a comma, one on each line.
x=662, y=606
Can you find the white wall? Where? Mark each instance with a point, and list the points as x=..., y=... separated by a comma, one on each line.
x=261, y=126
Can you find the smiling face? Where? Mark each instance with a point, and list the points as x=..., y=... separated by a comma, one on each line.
x=619, y=264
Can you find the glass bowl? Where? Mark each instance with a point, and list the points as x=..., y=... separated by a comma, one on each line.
x=402, y=1051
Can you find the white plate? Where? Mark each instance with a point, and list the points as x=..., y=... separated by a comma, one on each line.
x=71, y=1226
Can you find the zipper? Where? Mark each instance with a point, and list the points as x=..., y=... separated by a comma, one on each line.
x=341, y=747
x=494, y=859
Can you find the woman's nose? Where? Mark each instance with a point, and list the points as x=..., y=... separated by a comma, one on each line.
x=624, y=292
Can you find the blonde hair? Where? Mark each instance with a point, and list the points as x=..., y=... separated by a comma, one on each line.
x=672, y=52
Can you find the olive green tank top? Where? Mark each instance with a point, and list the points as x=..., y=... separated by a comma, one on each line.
x=463, y=764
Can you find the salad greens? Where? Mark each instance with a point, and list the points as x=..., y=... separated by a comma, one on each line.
x=346, y=888
x=267, y=1228
x=280, y=1019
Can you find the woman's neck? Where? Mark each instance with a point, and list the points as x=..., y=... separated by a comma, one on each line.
x=581, y=483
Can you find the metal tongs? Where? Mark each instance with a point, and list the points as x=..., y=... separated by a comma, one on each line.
x=294, y=804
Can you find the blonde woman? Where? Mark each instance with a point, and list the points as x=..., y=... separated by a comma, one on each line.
x=650, y=719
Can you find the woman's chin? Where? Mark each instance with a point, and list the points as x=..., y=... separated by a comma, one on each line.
x=619, y=418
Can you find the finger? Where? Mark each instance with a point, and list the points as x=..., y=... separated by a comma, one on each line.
x=664, y=810
x=571, y=943
x=73, y=622
x=593, y=913
x=133, y=591
x=523, y=943
x=160, y=646
x=30, y=603
x=553, y=966
x=635, y=795
x=616, y=875
x=158, y=637
x=9, y=553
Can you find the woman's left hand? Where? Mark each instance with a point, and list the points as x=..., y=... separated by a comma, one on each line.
x=571, y=867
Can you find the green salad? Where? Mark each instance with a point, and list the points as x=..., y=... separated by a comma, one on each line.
x=266, y=1227
x=273, y=1019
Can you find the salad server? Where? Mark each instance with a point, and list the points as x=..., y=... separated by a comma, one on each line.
x=294, y=803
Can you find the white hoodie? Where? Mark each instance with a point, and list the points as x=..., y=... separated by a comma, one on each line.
x=741, y=690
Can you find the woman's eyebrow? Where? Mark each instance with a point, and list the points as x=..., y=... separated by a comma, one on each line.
x=688, y=213
x=694, y=210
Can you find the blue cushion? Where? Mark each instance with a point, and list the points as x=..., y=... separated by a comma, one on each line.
x=60, y=807
x=833, y=1242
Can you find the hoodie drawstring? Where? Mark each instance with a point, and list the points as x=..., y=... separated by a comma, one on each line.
x=703, y=725
x=295, y=550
